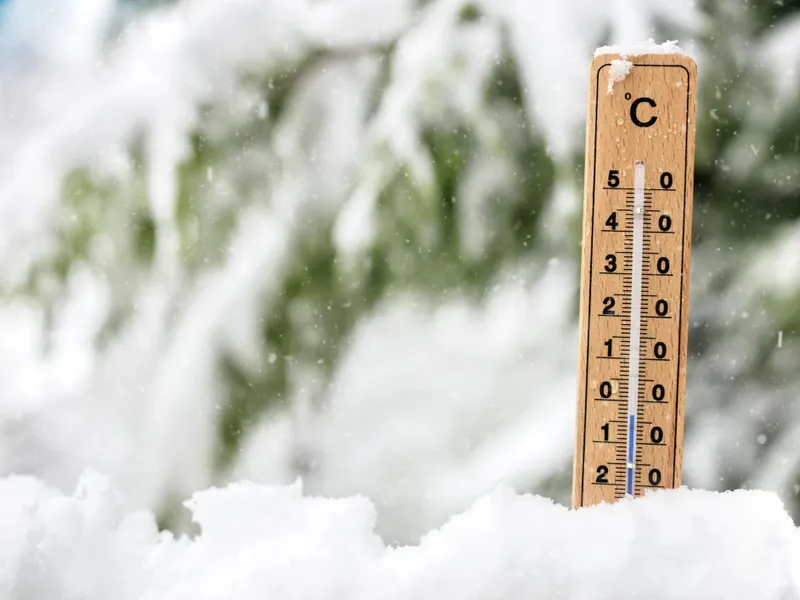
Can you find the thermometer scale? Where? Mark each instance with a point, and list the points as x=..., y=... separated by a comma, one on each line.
x=635, y=276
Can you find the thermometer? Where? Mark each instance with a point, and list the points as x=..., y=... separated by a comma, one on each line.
x=634, y=300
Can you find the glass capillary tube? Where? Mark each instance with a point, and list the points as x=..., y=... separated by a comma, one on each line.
x=636, y=314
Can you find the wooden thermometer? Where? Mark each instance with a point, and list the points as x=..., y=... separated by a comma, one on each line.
x=635, y=276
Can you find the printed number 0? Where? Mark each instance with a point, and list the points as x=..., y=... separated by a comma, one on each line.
x=654, y=477
x=656, y=435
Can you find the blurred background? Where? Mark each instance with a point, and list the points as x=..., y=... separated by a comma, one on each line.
x=338, y=240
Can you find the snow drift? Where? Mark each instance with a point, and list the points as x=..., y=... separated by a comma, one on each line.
x=274, y=542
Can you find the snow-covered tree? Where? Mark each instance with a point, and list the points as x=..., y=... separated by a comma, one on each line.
x=339, y=240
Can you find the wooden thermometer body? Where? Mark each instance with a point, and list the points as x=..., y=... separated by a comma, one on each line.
x=635, y=277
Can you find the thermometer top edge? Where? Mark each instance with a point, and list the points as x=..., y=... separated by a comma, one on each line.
x=683, y=60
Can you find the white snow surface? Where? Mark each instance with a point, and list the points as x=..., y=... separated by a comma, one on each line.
x=639, y=48
x=275, y=542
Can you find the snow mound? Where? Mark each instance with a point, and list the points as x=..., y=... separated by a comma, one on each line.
x=638, y=48
x=274, y=542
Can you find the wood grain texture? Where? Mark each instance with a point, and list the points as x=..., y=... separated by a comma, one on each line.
x=649, y=117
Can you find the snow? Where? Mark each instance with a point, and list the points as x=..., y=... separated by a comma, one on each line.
x=422, y=448
x=78, y=95
x=618, y=72
x=407, y=420
x=639, y=48
x=275, y=542
x=621, y=67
